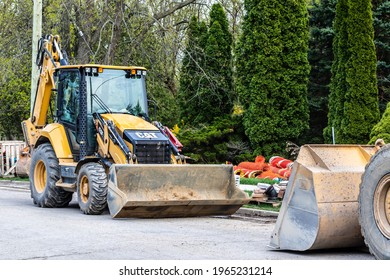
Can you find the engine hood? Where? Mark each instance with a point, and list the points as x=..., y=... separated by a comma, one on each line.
x=126, y=121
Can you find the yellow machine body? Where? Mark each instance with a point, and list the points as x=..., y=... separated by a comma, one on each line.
x=101, y=144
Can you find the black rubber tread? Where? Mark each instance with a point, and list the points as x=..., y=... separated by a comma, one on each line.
x=52, y=196
x=98, y=188
x=378, y=167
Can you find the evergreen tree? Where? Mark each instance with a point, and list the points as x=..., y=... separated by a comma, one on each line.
x=338, y=81
x=211, y=133
x=353, y=104
x=217, y=142
x=382, y=41
x=320, y=57
x=192, y=71
x=272, y=73
x=206, y=76
x=381, y=15
x=217, y=95
x=382, y=129
x=361, y=111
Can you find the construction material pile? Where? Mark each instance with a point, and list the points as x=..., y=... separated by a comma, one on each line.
x=278, y=168
x=269, y=193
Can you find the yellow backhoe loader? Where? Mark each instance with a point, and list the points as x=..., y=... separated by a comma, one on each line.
x=100, y=142
x=337, y=196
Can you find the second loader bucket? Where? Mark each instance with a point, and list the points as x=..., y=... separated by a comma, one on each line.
x=320, y=206
x=157, y=191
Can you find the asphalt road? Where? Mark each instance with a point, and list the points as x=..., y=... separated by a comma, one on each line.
x=31, y=233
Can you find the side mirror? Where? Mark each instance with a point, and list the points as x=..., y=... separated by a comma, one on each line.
x=59, y=113
x=154, y=107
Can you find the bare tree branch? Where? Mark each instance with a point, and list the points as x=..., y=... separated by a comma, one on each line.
x=159, y=16
x=172, y=10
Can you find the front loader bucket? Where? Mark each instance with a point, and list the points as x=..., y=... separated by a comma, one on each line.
x=22, y=168
x=320, y=206
x=157, y=191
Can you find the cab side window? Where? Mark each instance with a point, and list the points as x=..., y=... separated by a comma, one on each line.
x=69, y=90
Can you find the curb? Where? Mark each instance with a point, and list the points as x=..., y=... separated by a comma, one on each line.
x=256, y=213
x=14, y=184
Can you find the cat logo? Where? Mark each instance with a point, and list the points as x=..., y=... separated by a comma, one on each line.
x=144, y=135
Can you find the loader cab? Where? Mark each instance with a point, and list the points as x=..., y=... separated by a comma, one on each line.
x=84, y=90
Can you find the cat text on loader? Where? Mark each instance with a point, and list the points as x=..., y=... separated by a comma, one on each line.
x=338, y=196
x=100, y=143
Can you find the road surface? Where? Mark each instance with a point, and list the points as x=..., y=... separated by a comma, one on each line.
x=28, y=232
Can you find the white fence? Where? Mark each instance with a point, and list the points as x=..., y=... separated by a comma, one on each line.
x=9, y=155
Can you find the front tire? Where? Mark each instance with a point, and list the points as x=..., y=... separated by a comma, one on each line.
x=44, y=173
x=374, y=204
x=92, y=187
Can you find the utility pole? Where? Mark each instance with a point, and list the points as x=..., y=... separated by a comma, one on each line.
x=36, y=35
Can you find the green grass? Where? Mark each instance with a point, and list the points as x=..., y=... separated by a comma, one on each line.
x=255, y=181
x=249, y=193
x=11, y=178
x=264, y=207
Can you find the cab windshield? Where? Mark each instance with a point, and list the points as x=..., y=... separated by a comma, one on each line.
x=117, y=91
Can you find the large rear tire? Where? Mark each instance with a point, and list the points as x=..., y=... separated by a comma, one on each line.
x=374, y=204
x=92, y=187
x=44, y=173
